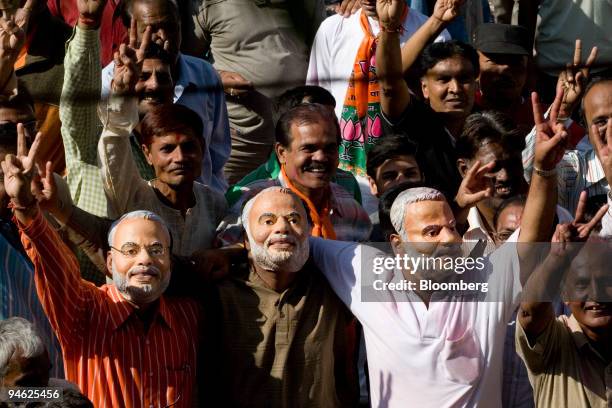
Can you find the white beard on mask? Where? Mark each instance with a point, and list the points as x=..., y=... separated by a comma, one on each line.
x=279, y=260
x=143, y=294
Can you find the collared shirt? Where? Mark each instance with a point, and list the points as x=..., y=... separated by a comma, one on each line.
x=277, y=349
x=107, y=352
x=199, y=88
x=271, y=169
x=446, y=355
x=565, y=370
x=127, y=191
x=350, y=221
x=18, y=293
x=577, y=171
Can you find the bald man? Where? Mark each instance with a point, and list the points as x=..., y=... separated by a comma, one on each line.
x=282, y=329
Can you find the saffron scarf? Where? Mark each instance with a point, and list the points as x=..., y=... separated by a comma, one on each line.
x=360, y=121
x=321, y=223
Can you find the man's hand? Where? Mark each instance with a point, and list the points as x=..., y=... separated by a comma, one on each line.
x=12, y=38
x=447, y=10
x=214, y=264
x=19, y=171
x=128, y=62
x=603, y=146
x=551, y=137
x=390, y=13
x=348, y=7
x=475, y=186
x=234, y=84
x=573, y=79
x=90, y=13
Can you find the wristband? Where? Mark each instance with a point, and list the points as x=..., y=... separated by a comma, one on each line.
x=392, y=29
x=14, y=206
x=545, y=173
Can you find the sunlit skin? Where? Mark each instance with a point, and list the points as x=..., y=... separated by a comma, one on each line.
x=449, y=87
x=501, y=79
x=27, y=372
x=588, y=292
x=154, y=87
x=369, y=8
x=276, y=212
x=393, y=172
x=144, y=233
x=598, y=111
x=311, y=158
x=508, y=221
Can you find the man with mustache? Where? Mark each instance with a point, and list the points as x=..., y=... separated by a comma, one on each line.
x=307, y=139
x=503, y=52
x=149, y=338
x=281, y=330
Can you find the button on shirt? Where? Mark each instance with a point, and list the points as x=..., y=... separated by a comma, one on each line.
x=562, y=359
x=106, y=350
x=447, y=355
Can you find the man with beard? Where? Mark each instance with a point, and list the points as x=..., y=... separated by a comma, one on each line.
x=280, y=328
x=503, y=52
x=307, y=139
x=430, y=347
x=149, y=338
x=574, y=353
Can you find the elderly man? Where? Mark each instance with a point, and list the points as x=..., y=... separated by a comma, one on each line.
x=296, y=356
x=307, y=139
x=428, y=345
x=196, y=84
x=151, y=339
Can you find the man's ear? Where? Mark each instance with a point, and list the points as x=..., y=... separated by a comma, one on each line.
x=109, y=263
x=424, y=89
x=396, y=243
x=245, y=241
x=462, y=166
x=281, y=153
x=147, y=153
x=373, y=186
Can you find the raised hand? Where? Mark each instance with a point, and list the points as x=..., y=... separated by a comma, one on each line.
x=603, y=143
x=90, y=13
x=12, y=38
x=551, y=137
x=234, y=84
x=19, y=170
x=128, y=61
x=572, y=80
x=390, y=12
x=348, y=7
x=475, y=186
x=447, y=10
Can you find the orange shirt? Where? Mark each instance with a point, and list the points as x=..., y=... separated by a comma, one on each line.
x=106, y=351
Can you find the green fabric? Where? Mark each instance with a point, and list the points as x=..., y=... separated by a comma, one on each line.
x=271, y=170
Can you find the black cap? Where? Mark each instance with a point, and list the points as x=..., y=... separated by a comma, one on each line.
x=502, y=39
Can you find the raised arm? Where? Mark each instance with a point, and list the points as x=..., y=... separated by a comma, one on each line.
x=120, y=176
x=62, y=293
x=80, y=95
x=544, y=285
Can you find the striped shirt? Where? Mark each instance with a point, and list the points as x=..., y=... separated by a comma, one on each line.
x=577, y=171
x=107, y=352
x=18, y=293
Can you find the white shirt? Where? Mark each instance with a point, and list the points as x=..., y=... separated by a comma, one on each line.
x=335, y=48
x=447, y=355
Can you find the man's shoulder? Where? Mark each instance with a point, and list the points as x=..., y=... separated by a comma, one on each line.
x=335, y=25
x=197, y=70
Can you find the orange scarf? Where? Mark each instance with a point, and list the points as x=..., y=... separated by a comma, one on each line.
x=321, y=223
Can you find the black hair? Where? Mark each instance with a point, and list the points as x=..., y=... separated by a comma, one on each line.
x=384, y=206
x=23, y=100
x=488, y=125
x=303, y=94
x=593, y=81
x=156, y=51
x=169, y=118
x=125, y=10
x=389, y=147
x=517, y=200
x=436, y=52
x=304, y=114
x=70, y=399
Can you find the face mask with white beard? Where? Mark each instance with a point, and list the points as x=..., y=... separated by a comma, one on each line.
x=280, y=260
x=142, y=294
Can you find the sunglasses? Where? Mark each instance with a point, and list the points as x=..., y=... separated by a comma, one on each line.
x=8, y=131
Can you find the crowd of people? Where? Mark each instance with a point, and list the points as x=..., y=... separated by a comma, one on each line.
x=215, y=202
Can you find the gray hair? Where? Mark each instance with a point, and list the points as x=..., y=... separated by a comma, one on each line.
x=142, y=214
x=246, y=210
x=18, y=335
x=410, y=196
